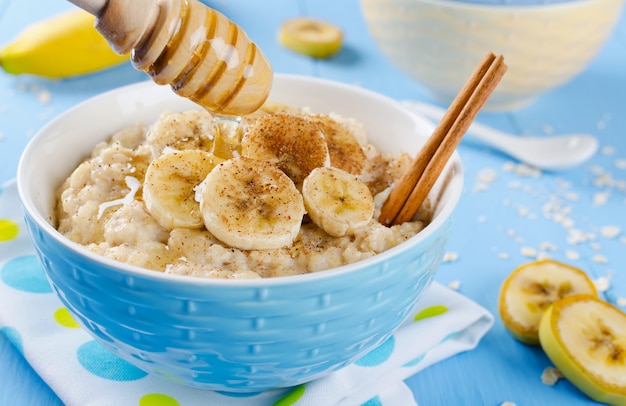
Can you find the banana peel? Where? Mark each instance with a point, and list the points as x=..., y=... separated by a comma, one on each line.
x=62, y=46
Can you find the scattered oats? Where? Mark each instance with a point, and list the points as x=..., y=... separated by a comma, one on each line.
x=573, y=255
x=622, y=240
x=454, y=285
x=548, y=129
x=1, y=136
x=621, y=301
x=596, y=170
x=550, y=376
x=564, y=184
x=515, y=184
x=506, y=202
x=4, y=108
x=575, y=236
x=482, y=219
x=503, y=255
x=600, y=259
x=521, y=169
x=508, y=166
x=542, y=255
x=571, y=196
x=487, y=175
x=600, y=125
x=602, y=284
x=527, y=170
x=450, y=257
x=528, y=252
x=519, y=240
x=600, y=198
x=510, y=232
x=480, y=187
x=547, y=246
x=522, y=211
x=620, y=163
x=595, y=246
x=607, y=150
x=603, y=179
x=507, y=403
x=44, y=96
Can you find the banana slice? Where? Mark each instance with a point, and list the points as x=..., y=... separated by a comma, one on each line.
x=585, y=338
x=251, y=204
x=296, y=145
x=337, y=201
x=169, y=187
x=181, y=131
x=531, y=288
x=343, y=147
x=310, y=37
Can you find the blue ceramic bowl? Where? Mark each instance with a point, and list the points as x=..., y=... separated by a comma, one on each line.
x=232, y=335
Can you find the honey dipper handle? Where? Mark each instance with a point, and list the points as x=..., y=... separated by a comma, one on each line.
x=90, y=6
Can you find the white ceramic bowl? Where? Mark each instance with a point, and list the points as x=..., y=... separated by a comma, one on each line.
x=232, y=335
x=439, y=42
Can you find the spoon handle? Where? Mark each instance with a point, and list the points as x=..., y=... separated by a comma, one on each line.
x=490, y=136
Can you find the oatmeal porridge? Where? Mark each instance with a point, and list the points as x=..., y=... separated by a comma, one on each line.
x=280, y=192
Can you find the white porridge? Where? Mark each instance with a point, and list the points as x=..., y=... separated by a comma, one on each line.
x=152, y=195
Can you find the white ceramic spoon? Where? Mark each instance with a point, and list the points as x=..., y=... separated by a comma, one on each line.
x=550, y=152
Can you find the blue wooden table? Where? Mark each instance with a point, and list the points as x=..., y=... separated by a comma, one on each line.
x=507, y=217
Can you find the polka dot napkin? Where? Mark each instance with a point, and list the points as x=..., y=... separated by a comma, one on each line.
x=81, y=372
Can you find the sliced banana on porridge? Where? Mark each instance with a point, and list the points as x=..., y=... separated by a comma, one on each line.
x=343, y=147
x=337, y=201
x=251, y=204
x=169, y=188
x=295, y=144
x=194, y=129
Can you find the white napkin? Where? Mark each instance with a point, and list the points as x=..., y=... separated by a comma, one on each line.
x=81, y=372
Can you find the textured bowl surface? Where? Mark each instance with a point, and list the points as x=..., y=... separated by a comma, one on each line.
x=243, y=335
x=439, y=42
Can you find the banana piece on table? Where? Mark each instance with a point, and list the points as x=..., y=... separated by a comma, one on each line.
x=182, y=131
x=296, y=145
x=62, y=46
x=169, y=188
x=337, y=201
x=311, y=37
x=531, y=288
x=251, y=205
x=585, y=338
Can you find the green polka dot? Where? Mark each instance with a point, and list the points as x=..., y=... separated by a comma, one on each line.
x=292, y=397
x=431, y=311
x=8, y=230
x=64, y=318
x=158, y=399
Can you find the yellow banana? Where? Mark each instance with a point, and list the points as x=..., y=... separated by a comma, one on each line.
x=62, y=46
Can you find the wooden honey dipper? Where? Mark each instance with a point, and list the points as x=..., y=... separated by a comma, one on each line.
x=199, y=52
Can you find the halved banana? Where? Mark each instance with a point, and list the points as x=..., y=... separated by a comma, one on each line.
x=337, y=201
x=531, y=288
x=343, y=147
x=310, y=37
x=169, y=188
x=585, y=338
x=296, y=145
x=179, y=131
x=251, y=204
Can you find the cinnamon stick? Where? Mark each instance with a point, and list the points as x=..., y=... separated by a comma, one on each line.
x=413, y=187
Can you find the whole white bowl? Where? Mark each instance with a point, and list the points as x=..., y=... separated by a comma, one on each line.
x=439, y=42
x=232, y=335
